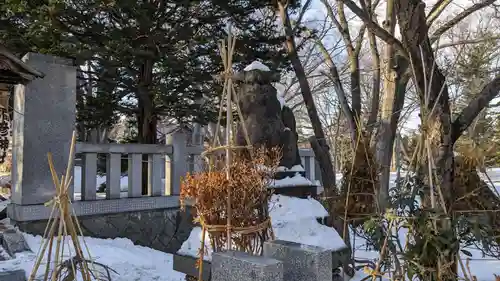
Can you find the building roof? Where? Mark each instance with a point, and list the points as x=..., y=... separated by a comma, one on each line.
x=15, y=71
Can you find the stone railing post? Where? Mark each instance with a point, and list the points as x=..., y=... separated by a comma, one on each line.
x=177, y=167
x=44, y=120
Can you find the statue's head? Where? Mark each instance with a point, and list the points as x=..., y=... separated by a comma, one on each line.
x=256, y=92
x=256, y=72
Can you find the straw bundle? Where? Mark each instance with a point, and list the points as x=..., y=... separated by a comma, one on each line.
x=231, y=196
x=250, y=223
x=62, y=224
x=357, y=199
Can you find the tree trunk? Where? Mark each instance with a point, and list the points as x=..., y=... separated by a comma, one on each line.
x=318, y=141
x=320, y=145
x=146, y=118
x=385, y=135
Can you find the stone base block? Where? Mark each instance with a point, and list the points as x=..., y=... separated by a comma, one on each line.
x=13, y=242
x=300, y=191
x=15, y=275
x=239, y=266
x=283, y=174
x=301, y=262
x=187, y=265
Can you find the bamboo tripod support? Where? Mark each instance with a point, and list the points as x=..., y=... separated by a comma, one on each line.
x=229, y=100
x=62, y=223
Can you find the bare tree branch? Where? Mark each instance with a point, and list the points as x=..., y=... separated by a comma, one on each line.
x=465, y=13
x=469, y=113
x=303, y=11
x=466, y=42
x=377, y=29
x=436, y=10
x=337, y=84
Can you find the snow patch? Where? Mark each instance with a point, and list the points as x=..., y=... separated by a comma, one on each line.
x=293, y=219
x=287, y=208
x=131, y=262
x=281, y=100
x=192, y=244
x=296, y=168
x=297, y=180
x=256, y=65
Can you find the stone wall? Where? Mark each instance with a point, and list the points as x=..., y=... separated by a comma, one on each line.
x=161, y=229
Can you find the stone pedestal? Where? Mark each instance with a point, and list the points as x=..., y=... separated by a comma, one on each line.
x=299, y=191
x=239, y=266
x=301, y=262
x=44, y=120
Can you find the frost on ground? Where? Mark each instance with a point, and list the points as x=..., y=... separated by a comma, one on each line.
x=293, y=219
x=131, y=262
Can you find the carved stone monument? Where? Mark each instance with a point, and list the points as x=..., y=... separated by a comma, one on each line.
x=268, y=121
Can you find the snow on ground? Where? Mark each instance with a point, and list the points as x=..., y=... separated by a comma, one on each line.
x=293, y=219
x=483, y=268
x=131, y=262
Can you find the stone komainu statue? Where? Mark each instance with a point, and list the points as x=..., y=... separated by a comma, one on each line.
x=268, y=122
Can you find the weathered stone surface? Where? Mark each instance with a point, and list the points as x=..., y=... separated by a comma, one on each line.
x=163, y=229
x=301, y=262
x=300, y=191
x=13, y=242
x=240, y=266
x=44, y=112
x=267, y=122
x=14, y=275
x=291, y=139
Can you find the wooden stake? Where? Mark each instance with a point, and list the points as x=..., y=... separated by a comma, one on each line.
x=229, y=123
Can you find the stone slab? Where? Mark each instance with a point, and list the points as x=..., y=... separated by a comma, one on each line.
x=341, y=256
x=301, y=262
x=187, y=265
x=21, y=213
x=240, y=266
x=13, y=242
x=300, y=191
x=14, y=275
x=283, y=174
x=44, y=120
